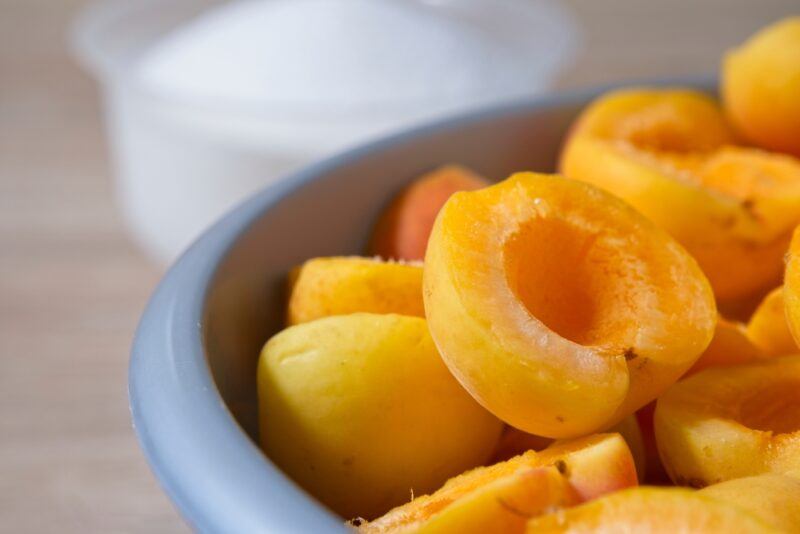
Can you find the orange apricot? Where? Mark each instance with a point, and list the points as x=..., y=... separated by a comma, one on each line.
x=731, y=422
x=322, y=287
x=791, y=287
x=667, y=152
x=560, y=308
x=768, y=329
x=403, y=229
x=514, y=442
x=730, y=345
x=649, y=510
x=760, y=85
x=525, y=485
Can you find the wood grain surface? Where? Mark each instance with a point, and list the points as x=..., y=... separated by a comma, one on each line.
x=72, y=285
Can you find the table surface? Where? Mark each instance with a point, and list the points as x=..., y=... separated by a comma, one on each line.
x=72, y=285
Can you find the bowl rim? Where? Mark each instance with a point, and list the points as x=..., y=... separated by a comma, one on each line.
x=181, y=421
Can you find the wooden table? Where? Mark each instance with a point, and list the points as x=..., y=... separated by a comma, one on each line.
x=72, y=285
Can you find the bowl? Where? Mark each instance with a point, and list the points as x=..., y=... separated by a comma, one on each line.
x=192, y=372
x=180, y=163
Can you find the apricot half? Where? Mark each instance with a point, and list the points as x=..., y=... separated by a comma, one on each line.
x=650, y=510
x=760, y=86
x=791, y=287
x=731, y=422
x=509, y=492
x=768, y=329
x=558, y=306
x=359, y=409
x=342, y=285
x=666, y=153
x=403, y=229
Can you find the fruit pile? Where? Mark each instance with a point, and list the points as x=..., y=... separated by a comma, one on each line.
x=526, y=353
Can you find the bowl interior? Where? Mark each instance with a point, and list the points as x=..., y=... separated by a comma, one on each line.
x=332, y=214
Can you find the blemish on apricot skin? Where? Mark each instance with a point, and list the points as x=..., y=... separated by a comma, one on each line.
x=630, y=354
x=562, y=467
x=559, y=419
x=692, y=482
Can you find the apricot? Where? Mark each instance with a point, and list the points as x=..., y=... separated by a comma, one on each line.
x=731, y=422
x=402, y=230
x=791, y=287
x=768, y=329
x=760, y=83
x=514, y=442
x=526, y=485
x=342, y=285
x=359, y=410
x=560, y=308
x=730, y=345
x=773, y=497
x=653, y=510
x=666, y=152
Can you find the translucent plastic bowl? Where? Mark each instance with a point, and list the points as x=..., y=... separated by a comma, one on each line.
x=180, y=165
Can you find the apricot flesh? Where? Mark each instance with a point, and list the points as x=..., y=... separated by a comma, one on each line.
x=514, y=442
x=760, y=83
x=730, y=345
x=403, y=229
x=791, y=287
x=768, y=329
x=731, y=422
x=359, y=410
x=669, y=154
x=558, y=307
x=588, y=467
x=341, y=285
x=653, y=510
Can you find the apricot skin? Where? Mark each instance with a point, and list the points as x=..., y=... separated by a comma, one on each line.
x=731, y=345
x=322, y=287
x=503, y=312
x=590, y=467
x=760, y=83
x=668, y=154
x=652, y=510
x=359, y=410
x=768, y=329
x=731, y=422
x=403, y=229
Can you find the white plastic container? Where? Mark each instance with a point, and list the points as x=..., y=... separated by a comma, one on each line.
x=179, y=165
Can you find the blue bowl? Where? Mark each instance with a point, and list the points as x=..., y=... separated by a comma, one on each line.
x=193, y=364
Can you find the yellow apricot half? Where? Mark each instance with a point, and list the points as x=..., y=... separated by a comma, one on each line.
x=768, y=329
x=360, y=410
x=730, y=345
x=652, y=510
x=667, y=152
x=791, y=287
x=731, y=422
x=342, y=285
x=760, y=83
x=773, y=497
x=559, y=307
x=507, y=493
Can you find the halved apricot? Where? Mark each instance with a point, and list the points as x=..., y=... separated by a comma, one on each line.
x=771, y=496
x=349, y=284
x=649, y=510
x=560, y=308
x=791, y=287
x=590, y=467
x=730, y=345
x=403, y=229
x=731, y=422
x=760, y=83
x=768, y=329
x=514, y=442
x=359, y=409
x=666, y=152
